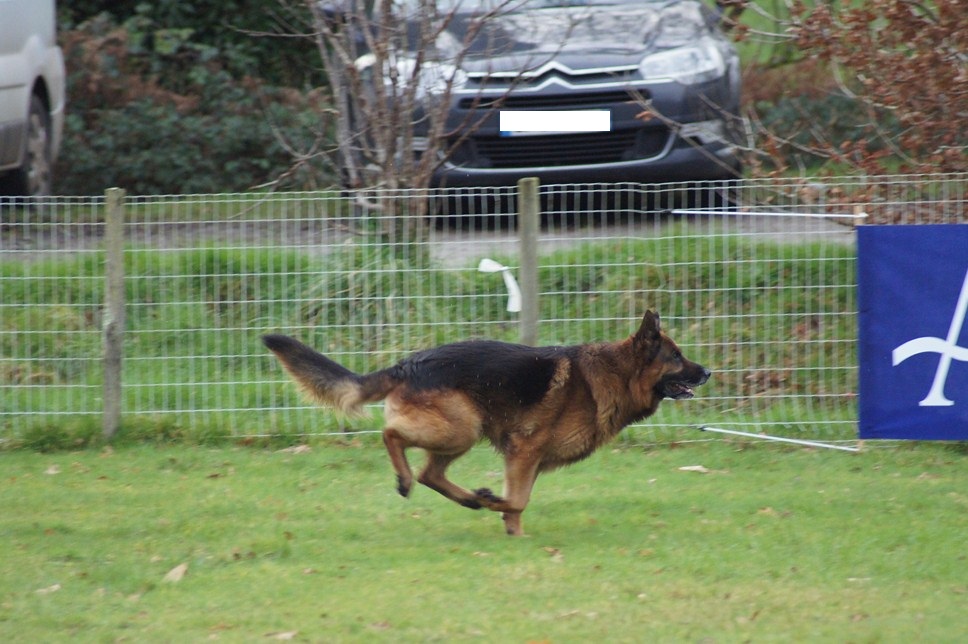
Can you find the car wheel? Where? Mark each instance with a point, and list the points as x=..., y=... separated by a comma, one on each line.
x=33, y=177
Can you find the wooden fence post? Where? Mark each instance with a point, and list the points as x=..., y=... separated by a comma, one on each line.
x=529, y=216
x=112, y=330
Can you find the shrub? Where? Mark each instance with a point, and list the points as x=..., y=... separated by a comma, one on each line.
x=215, y=133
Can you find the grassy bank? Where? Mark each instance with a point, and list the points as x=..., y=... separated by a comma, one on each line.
x=774, y=322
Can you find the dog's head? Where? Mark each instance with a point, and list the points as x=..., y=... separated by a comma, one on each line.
x=674, y=376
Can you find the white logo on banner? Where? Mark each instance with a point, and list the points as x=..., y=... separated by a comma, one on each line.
x=947, y=349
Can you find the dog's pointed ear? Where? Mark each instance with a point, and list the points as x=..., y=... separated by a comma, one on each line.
x=649, y=331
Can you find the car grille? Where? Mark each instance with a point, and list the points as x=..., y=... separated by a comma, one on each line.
x=550, y=101
x=556, y=150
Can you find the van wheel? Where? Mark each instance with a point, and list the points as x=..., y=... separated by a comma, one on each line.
x=33, y=178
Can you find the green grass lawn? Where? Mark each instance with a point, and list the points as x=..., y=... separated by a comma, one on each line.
x=771, y=544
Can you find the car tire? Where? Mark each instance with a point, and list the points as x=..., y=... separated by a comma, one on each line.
x=34, y=177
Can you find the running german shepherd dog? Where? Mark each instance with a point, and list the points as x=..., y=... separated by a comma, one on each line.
x=541, y=408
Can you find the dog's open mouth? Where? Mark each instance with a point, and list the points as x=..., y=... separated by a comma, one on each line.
x=677, y=391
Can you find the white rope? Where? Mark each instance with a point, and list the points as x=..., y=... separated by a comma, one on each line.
x=795, y=441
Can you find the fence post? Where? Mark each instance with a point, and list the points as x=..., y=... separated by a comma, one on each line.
x=112, y=330
x=528, y=220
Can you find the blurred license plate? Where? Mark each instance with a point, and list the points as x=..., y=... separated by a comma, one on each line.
x=531, y=122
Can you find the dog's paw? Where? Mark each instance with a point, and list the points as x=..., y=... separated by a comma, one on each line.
x=487, y=496
x=403, y=486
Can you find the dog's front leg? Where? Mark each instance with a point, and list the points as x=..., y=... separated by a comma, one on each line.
x=520, y=473
x=512, y=524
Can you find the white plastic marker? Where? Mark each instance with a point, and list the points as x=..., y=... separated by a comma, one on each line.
x=514, y=291
x=795, y=441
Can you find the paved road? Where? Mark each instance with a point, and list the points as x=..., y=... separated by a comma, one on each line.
x=451, y=246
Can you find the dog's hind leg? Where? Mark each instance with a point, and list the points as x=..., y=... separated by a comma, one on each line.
x=396, y=444
x=434, y=477
x=445, y=425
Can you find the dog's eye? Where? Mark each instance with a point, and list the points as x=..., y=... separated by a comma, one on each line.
x=677, y=356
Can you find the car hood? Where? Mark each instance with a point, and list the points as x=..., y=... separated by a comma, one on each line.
x=579, y=37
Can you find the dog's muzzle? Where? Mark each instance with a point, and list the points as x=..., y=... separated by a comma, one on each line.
x=677, y=389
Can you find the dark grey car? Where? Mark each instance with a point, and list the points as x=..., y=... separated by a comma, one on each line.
x=661, y=71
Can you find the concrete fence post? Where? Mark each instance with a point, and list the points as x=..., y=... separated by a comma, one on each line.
x=529, y=216
x=112, y=330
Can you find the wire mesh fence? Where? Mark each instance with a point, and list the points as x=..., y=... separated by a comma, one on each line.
x=754, y=279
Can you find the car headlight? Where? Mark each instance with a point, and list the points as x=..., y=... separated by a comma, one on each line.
x=687, y=65
x=432, y=80
x=436, y=78
x=433, y=77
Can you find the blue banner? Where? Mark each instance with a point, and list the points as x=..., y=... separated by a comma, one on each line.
x=913, y=298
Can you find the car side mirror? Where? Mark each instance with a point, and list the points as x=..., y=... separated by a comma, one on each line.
x=335, y=14
x=723, y=16
x=340, y=15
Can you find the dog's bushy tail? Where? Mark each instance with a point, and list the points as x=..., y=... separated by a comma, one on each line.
x=324, y=380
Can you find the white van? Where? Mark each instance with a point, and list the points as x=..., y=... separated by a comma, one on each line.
x=31, y=96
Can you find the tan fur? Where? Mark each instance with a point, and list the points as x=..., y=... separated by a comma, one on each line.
x=344, y=397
